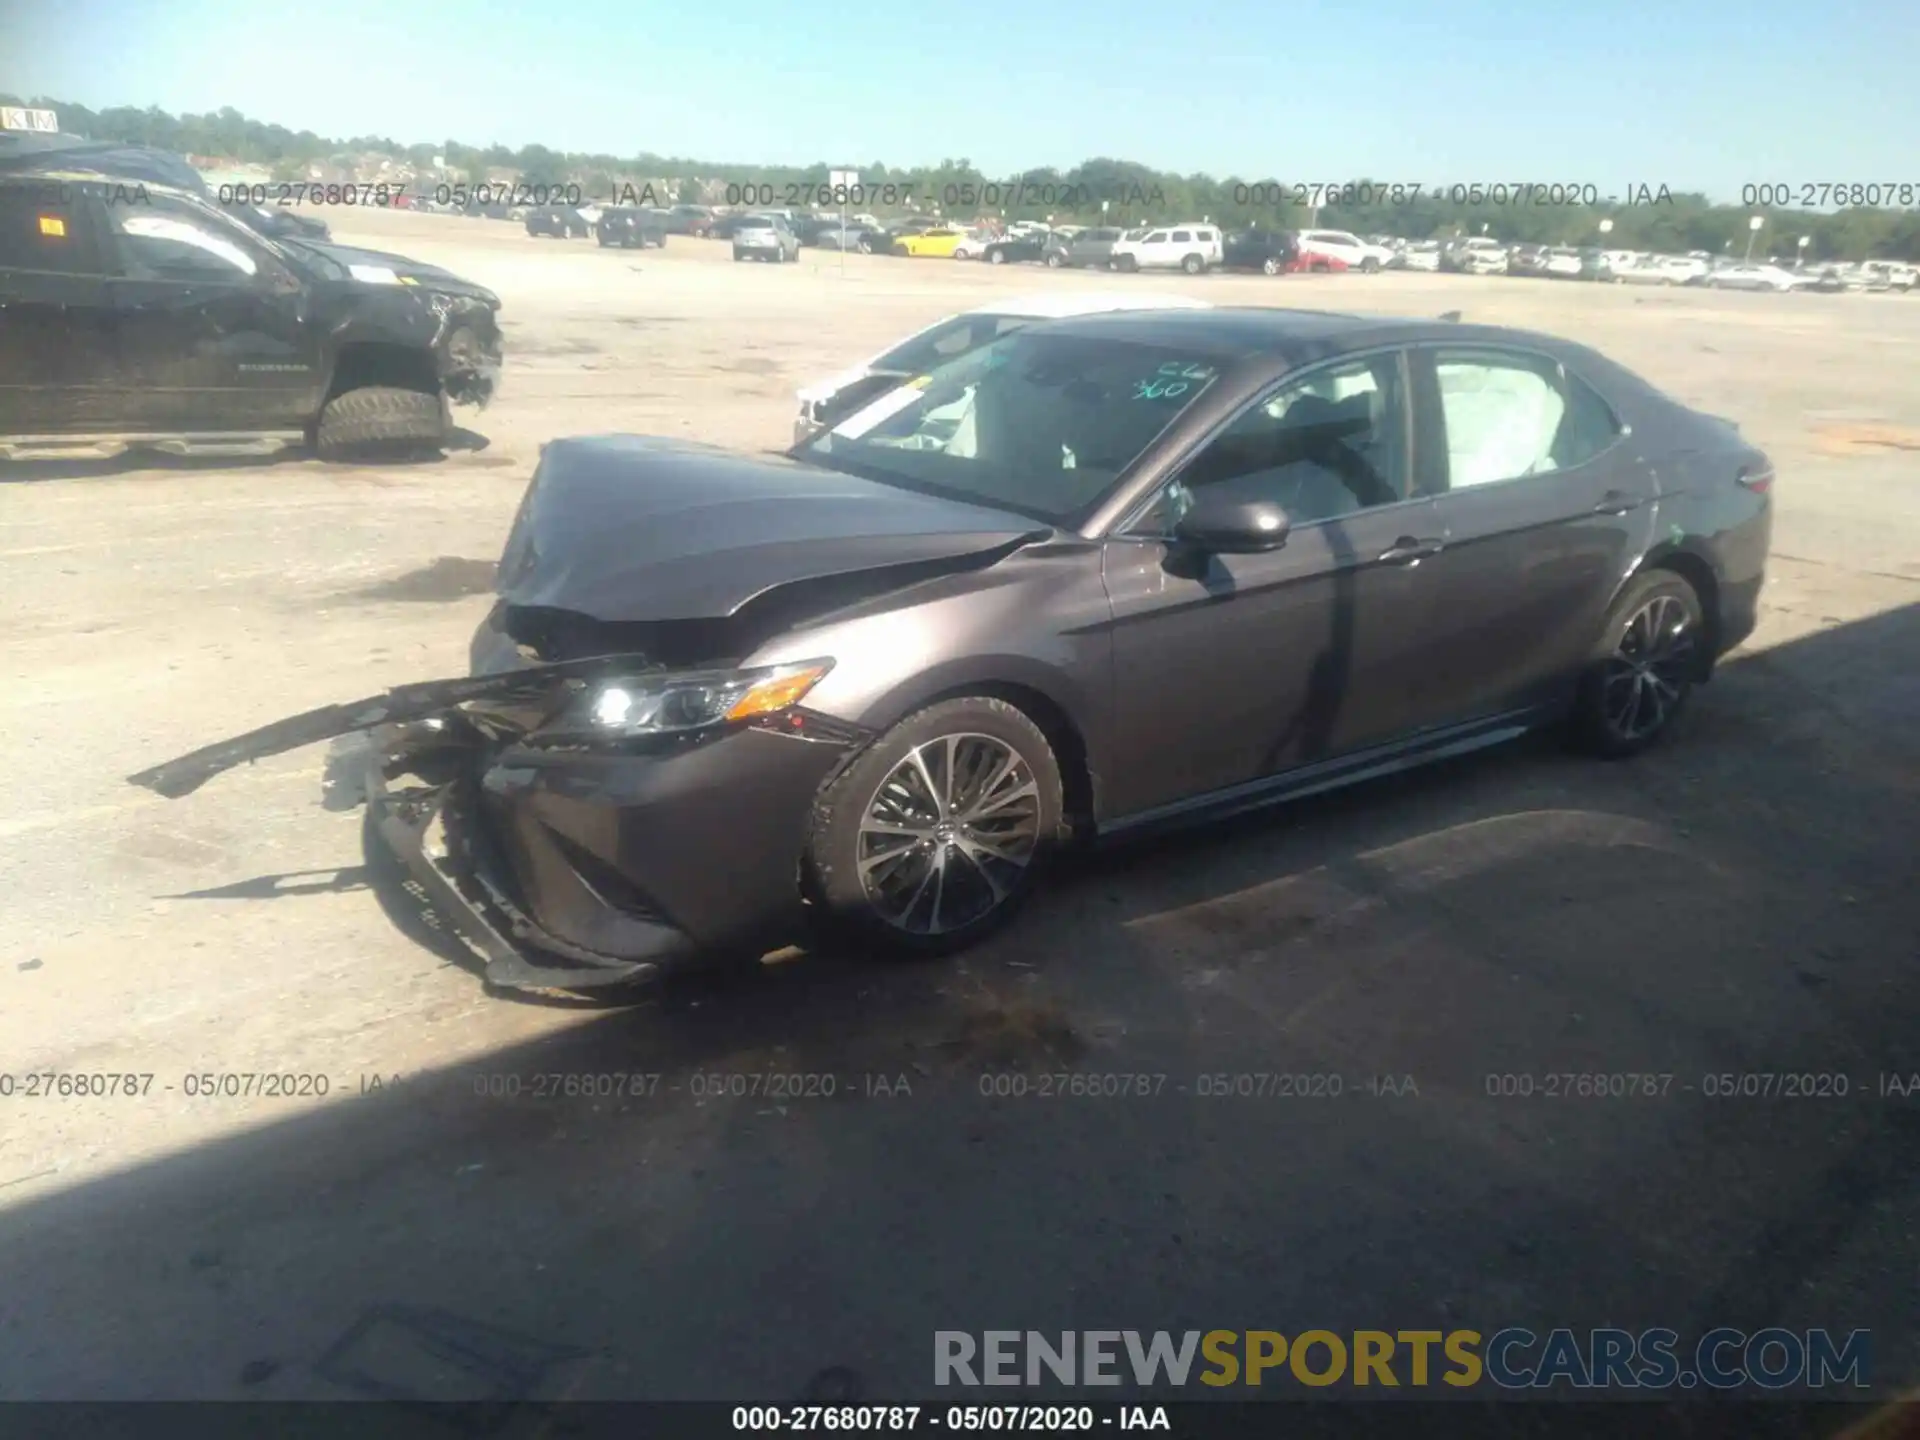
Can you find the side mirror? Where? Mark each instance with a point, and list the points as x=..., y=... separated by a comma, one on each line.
x=1222, y=524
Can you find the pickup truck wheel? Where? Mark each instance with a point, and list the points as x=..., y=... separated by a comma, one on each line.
x=379, y=422
x=1270, y=266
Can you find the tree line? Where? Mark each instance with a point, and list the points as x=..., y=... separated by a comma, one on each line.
x=1120, y=192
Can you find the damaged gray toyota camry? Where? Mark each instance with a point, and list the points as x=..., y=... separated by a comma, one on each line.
x=1104, y=574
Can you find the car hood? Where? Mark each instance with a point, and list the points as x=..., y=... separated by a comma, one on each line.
x=422, y=275
x=628, y=528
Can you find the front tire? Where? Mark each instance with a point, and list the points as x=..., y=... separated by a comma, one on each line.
x=933, y=838
x=1651, y=654
x=1270, y=266
x=996, y=257
x=1370, y=266
x=1193, y=265
x=378, y=422
x=1054, y=262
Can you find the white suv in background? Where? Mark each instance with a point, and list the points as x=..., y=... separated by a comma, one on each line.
x=1357, y=254
x=1192, y=248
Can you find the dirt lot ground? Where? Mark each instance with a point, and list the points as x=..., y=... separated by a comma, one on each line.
x=1741, y=901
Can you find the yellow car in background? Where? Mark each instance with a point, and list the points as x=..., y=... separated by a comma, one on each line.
x=942, y=242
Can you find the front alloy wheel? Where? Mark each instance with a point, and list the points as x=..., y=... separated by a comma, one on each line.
x=932, y=838
x=949, y=834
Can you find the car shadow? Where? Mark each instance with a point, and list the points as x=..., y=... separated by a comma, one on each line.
x=1270, y=1074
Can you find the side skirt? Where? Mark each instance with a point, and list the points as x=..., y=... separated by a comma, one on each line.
x=1423, y=748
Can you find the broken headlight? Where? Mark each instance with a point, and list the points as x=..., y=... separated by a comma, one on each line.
x=673, y=703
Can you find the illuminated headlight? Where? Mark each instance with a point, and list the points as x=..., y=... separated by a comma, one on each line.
x=675, y=703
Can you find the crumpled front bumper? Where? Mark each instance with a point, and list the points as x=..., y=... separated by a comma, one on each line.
x=575, y=869
x=422, y=829
x=469, y=352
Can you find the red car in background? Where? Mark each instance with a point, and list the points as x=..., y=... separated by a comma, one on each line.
x=1274, y=252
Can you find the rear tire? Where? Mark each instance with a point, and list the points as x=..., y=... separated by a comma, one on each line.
x=1370, y=266
x=1054, y=262
x=1270, y=266
x=980, y=897
x=996, y=257
x=1193, y=265
x=378, y=422
x=1650, y=655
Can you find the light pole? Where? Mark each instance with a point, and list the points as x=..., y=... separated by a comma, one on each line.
x=1753, y=234
x=1805, y=240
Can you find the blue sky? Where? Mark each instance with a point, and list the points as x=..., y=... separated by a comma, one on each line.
x=1700, y=94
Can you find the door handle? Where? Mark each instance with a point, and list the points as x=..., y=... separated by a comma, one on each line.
x=1616, y=502
x=1406, y=550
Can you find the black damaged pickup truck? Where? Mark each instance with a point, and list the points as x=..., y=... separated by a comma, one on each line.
x=142, y=315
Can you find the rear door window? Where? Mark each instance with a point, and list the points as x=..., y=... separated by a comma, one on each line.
x=1510, y=415
x=49, y=227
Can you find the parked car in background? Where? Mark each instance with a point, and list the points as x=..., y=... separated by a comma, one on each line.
x=1092, y=248
x=1272, y=252
x=906, y=225
x=1042, y=598
x=631, y=227
x=764, y=237
x=1423, y=255
x=1887, y=275
x=562, y=222
x=1742, y=276
x=1564, y=262
x=973, y=243
x=1481, y=255
x=1527, y=260
x=1683, y=269
x=831, y=400
x=1027, y=247
x=857, y=236
x=213, y=339
x=1644, y=270
x=938, y=242
x=1355, y=253
x=724, y=225
x=694, y=220
x=1193, y=248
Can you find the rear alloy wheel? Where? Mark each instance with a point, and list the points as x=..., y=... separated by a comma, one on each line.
x=1370, y=266
x=936, y=834
x=1270, y=266
x=1193, y=264
x=996, y=257
x=1652, y=654
x=1054, y=262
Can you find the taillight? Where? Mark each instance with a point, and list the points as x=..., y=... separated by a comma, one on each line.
x=1757, y=478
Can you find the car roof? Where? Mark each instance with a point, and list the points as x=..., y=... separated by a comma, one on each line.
x=69, y=156
x=1293, y=334
x=1065, y=304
